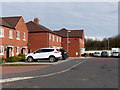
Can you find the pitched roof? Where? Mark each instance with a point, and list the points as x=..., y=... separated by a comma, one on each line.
x=10, y=22
x=71, y=33
x=34, y=27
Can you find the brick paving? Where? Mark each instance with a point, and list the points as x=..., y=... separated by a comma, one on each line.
x=18, y=69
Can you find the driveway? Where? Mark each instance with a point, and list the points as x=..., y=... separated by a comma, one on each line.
x=19, y=69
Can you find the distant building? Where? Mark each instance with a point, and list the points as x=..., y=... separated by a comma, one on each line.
x=13, y=36
x=72, y=41
x=41, y=37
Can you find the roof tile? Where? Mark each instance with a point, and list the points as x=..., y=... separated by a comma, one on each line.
x=9, y=21
x=71, y=33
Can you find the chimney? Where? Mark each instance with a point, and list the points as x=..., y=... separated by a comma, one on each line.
x=36, y=20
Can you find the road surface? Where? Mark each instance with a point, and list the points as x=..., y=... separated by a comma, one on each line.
x=78, y=73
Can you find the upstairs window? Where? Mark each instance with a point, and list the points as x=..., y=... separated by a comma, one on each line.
x=11, y=34
x=49, y=36
x=60, y=39
x=1, y=32
x=53, y=38
x=18, y=35
x=56, y=39
x=24, y=36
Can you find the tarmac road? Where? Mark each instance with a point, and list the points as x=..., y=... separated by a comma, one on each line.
x=78, y=73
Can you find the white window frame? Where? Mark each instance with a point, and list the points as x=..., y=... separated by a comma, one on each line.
x=2, y=32
x=24, y=36
x=53, y=38
x=2, y=50
x=60, y=39
x=17, y=35
x=56, y=39
x=11, y=34
x=50, y=36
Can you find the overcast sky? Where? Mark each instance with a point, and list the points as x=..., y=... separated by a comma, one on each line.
x=98, y=19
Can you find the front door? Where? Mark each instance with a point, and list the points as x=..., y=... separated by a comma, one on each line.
x=8, y=52
x=22, y=50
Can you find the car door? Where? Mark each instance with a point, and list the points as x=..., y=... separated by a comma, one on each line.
x=38, y=54
x=46, y=52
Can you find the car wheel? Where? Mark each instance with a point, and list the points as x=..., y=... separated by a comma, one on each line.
x=52, y=59
x=30, y=59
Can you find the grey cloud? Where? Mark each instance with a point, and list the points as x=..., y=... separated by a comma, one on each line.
x=98, y=19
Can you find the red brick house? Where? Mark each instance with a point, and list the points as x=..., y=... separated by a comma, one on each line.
x=41, y=37
x=72, y=41
x=13, y=36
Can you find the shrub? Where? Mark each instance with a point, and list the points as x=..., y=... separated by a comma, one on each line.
x=2, y=60
x=21, y=56
x=12, y=59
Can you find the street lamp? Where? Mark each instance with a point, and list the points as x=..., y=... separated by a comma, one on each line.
x=68, y=38
x=108, y=43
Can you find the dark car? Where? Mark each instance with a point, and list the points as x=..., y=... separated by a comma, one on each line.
x=64, y=54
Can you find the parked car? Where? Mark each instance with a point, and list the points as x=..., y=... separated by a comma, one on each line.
x=51, y=54
x=104, y=54
x=96, y=54
x=115, y=52
x=64, y=54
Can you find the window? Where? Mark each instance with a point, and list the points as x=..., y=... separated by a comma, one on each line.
x=47, y=50
x=60, y=39
x=10, y=34
x=24, y=36
x=56, y=39
x=53, y=38
x=68, y=40
x=18, y=35
x=1, y=50
x=50, y=36
x=38, y=51
x=1, y=32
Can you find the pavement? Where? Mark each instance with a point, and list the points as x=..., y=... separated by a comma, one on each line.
x=77, y=73
x=45, y=62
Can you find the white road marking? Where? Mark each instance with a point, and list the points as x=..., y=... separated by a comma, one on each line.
x=46, y=75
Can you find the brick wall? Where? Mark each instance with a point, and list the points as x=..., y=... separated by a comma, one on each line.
x=42, y=40
x=73, y=47
x=37, y=41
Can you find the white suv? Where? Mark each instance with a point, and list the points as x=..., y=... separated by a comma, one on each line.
x=52, y=54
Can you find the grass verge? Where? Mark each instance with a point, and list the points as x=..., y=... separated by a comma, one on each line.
x=25, y=65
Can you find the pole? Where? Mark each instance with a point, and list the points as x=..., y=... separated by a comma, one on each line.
x=108, y=43
x=67, y=40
